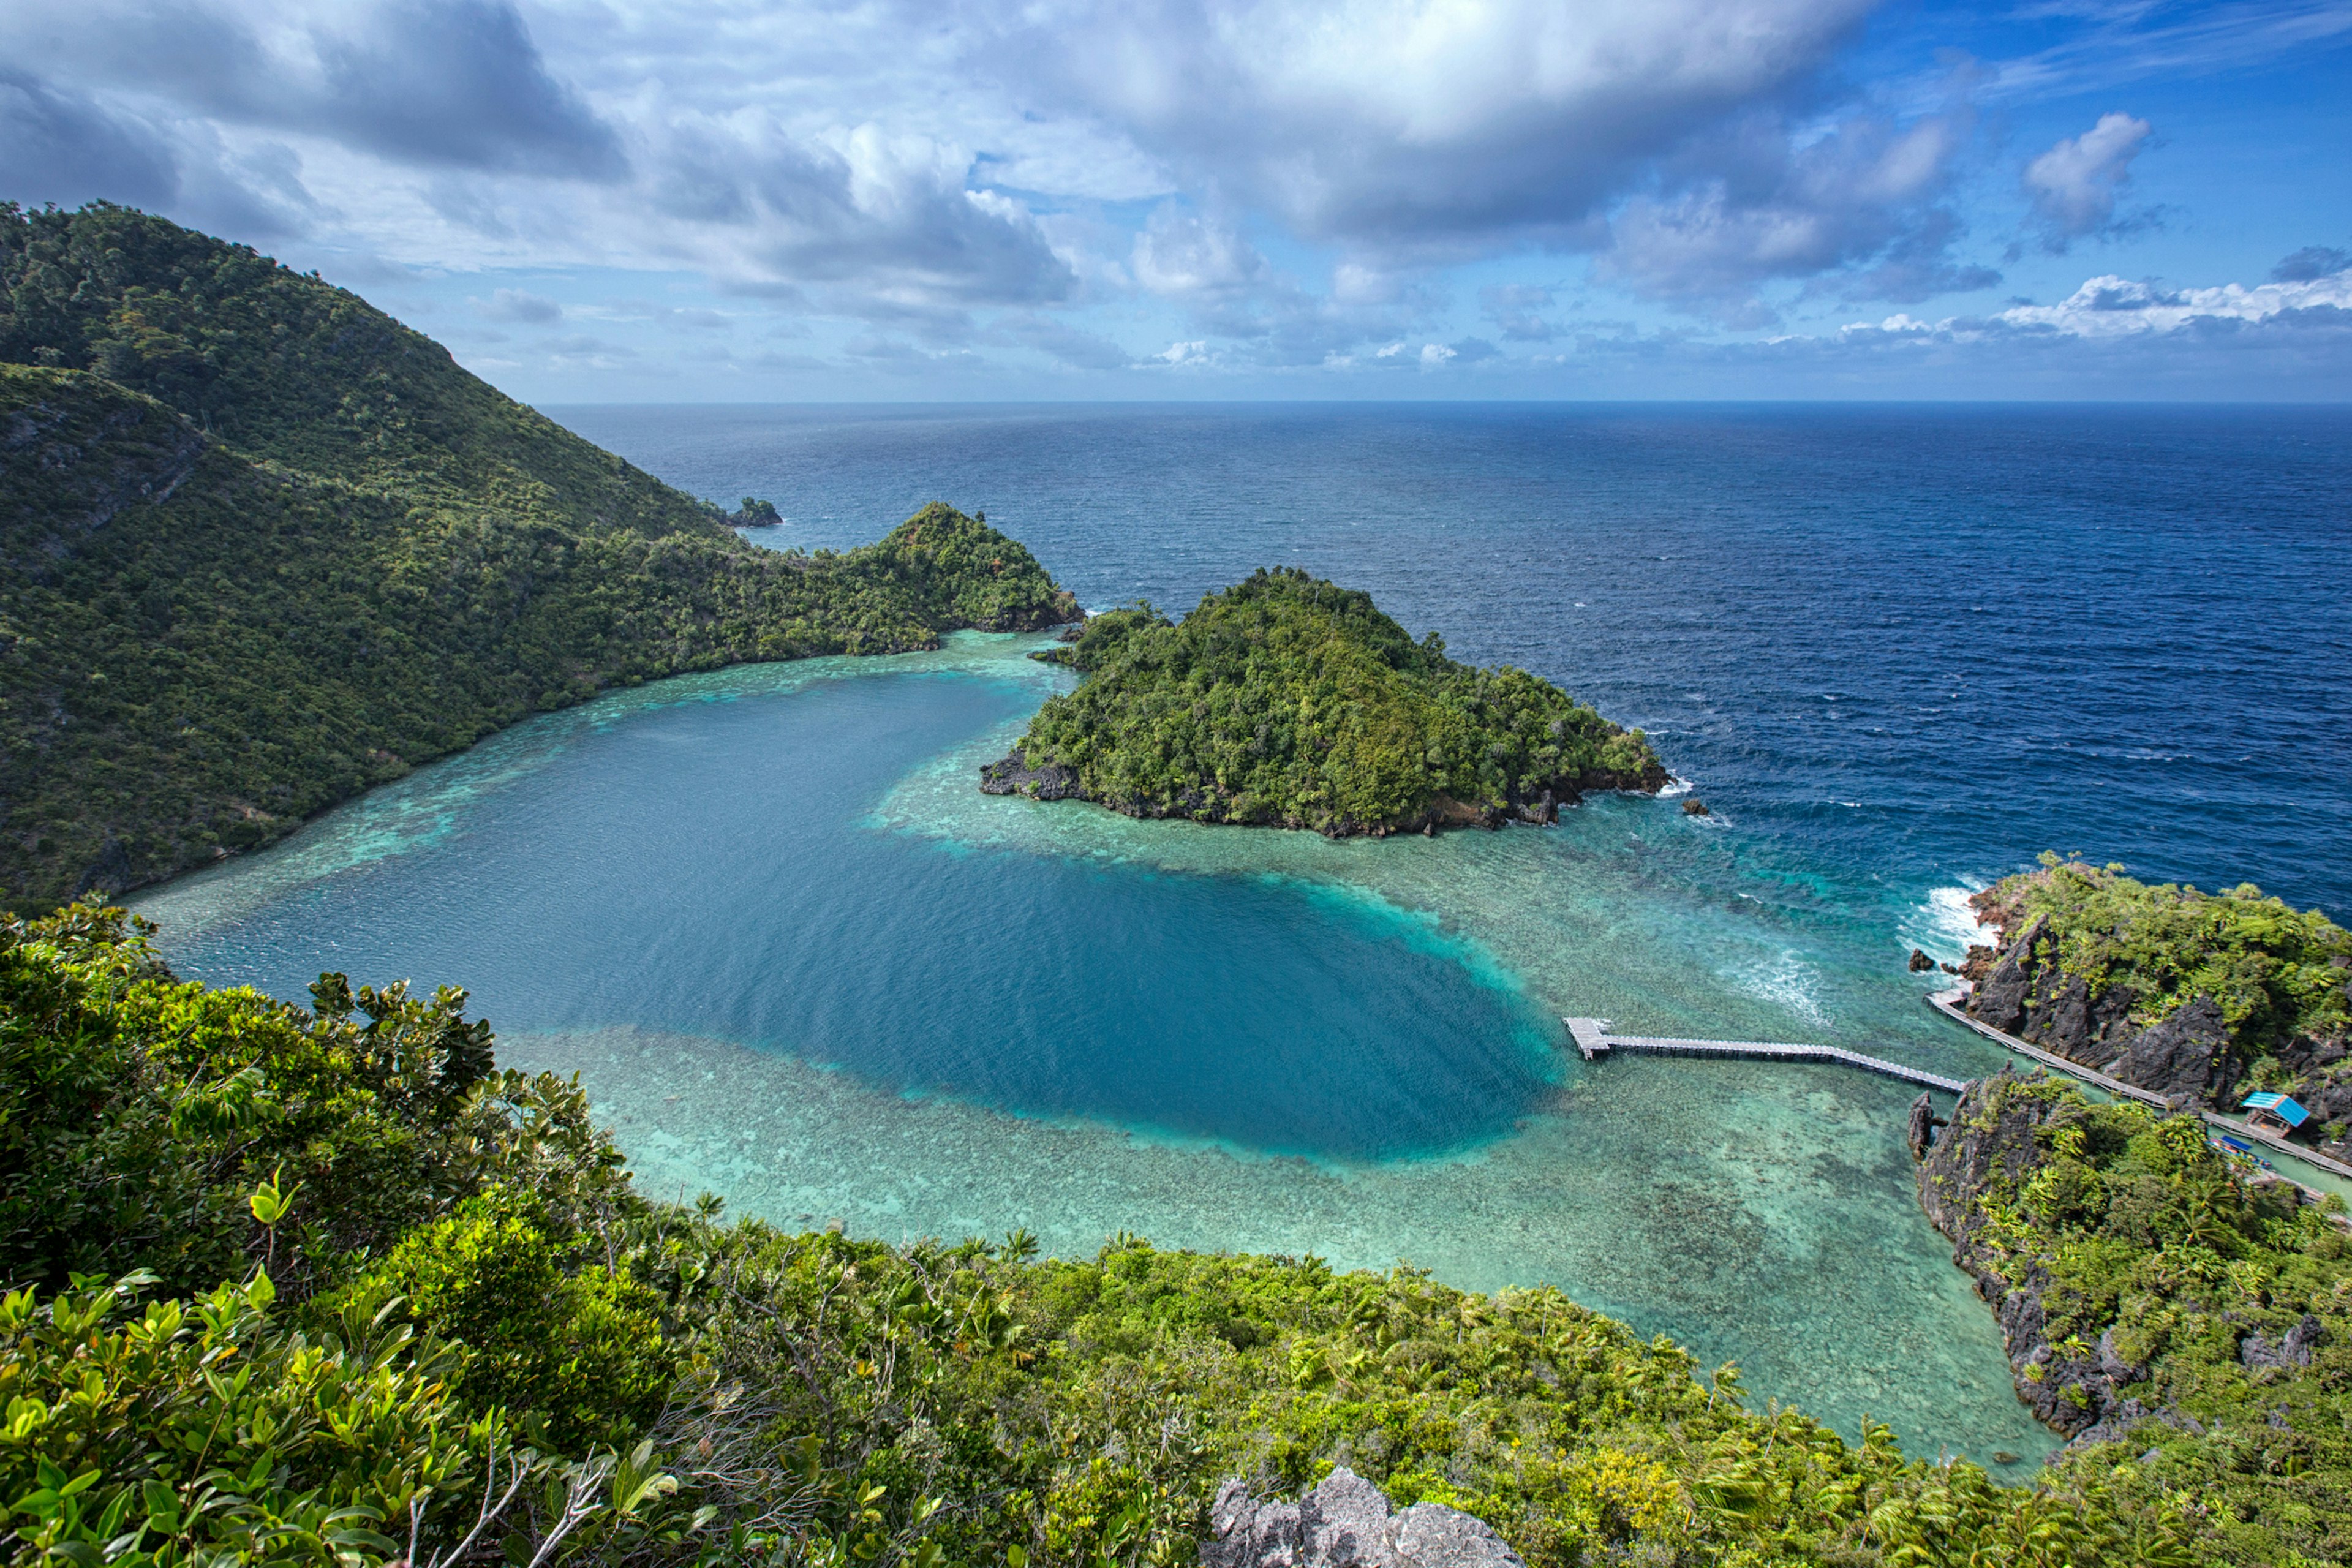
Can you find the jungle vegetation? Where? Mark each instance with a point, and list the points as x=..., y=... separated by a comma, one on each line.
x=294, y=1285
x=2227, y=1303
x=2280, y=975
x=261, y=547
x=1288, y=700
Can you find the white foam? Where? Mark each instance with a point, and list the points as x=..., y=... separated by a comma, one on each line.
x=1787, y=980
x=1675, y=786
x=1944, y=927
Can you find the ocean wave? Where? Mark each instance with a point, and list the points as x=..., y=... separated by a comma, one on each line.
x=1944, y=926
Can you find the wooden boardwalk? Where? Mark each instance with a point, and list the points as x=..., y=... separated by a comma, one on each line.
x=1948, y=1004
x=1593, y=1040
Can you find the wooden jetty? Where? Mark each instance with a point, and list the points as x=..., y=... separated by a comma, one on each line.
x=1948, y=1004
x=1593, y=1041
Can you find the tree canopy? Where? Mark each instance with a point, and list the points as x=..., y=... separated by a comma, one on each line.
x=1288, y=700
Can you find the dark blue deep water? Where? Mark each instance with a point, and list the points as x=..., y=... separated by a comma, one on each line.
x=1913, y=642
x=798, y=959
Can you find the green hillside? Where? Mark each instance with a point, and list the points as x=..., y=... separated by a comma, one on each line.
x=261, y=547
x=307, y=1285
x=1288, y=702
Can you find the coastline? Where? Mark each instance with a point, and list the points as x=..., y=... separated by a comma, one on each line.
x=1948, y=1003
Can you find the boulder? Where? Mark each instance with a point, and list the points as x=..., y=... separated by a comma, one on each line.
x=1013, y=775
x=1346, y=1523
x=2292, y=1349
x=1695, y=808
x=1920, y=963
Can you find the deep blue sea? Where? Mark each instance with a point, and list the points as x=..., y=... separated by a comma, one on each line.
x=799, y=960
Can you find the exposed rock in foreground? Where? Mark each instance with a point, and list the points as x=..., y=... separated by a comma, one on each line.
x=1346, y=1523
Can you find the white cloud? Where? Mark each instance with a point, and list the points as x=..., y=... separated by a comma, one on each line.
x=1859, y=201
x=1184, y=256
x=2111, y=307
x=1404, y=123
x=2075, y=185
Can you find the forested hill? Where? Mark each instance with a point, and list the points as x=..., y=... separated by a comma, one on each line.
x=261, y=547
x=1286, y=700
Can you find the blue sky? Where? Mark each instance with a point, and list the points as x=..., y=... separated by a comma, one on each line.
x=666, y=201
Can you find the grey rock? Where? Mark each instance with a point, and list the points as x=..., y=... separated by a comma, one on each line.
x=1921, y=1132
x=1346, y=1523
x=2001, y=999
x=2292, y=1349
x=2187, y=1053
x=1013, y=775
x=1430, y=1536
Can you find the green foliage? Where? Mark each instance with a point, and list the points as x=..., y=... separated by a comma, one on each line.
x=2279, y=974
x=1284, y=700
x=262, y=547
x=138, y=1116
x=578, y=1357
x=171, y=1434
x=2133, y=1226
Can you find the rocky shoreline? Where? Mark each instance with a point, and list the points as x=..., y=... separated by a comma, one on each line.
x=2091, y=1393
x=2190, y=1057
x=1013, y=775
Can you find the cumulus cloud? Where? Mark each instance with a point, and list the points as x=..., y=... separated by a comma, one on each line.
x=2111, y=307
x=2076, y=184
x=1859, y=201
x=1396, y=125
x=1184, y=256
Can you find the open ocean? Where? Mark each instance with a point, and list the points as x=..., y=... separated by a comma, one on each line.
x=799, y=960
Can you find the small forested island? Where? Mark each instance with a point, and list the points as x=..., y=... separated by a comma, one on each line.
x=1287, y=702
x=261, y=547
x=2199, y=996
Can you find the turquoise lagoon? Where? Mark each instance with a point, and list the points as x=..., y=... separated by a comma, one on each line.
x=798, y=960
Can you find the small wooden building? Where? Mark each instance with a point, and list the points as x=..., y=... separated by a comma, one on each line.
x=2273, y=1112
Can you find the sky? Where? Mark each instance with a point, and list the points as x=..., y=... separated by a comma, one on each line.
x=946, y=200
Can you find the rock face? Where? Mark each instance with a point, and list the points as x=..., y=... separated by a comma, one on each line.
x=1346, y=1523
x=1992, y=1132
x=2183, y=1054
x=1013, y=775
x=2186, y=1057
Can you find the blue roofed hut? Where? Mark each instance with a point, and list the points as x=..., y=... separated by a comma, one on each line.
x=2273, y=1112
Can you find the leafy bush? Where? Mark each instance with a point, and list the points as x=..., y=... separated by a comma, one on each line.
x=192, y=1428
x=138, y=1114
x=578, y=1358
x=1284, y=700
